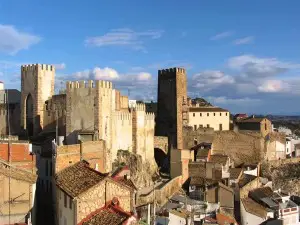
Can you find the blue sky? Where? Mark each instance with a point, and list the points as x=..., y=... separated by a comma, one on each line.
x=241, y=55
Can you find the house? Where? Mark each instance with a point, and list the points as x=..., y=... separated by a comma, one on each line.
x=297, y=150
x=288, y=147
x=210, y=117
x=277, y=204
x=240, y=116
x=276, y=146
x=202, y=151
x=253, y=213
x=218, y=166
x=82, y=190
x=176, y=217
x=262, y=125
x=221, y=194
x=17, y=195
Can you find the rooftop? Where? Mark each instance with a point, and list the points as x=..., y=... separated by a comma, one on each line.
x=16, y=173
x=218, y=158
x=254, y=208
x=251, y=120
x=235, y=172
x=112, y=214
x=78, y=178
x=245, y=179
x=207, y=109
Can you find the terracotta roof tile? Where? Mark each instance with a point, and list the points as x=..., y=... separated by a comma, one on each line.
x=235, y=172
x=223, y=219
x=78, y=178
x=220, y=159
x=254, y=208
x=251, y=120
x=197, y=169
x=199, y=181
x=108, y=215
x=245, y=179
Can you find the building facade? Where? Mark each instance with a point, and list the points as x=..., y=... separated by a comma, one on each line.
x=210, y=117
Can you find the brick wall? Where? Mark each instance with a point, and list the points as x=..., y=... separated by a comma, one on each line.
x=92, y=151
x=20, y=155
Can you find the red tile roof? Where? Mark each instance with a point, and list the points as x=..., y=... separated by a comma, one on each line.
x=224, y=219
x=111, y=214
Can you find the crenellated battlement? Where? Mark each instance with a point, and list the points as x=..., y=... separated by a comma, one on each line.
x=150, y=116
x=123, y=115
x=171, y=70
x=140, y=107
x=35, y=67
x=99, y=84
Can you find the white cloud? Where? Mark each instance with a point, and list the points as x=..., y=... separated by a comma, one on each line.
x=12, y=40
x=273, y=86
x=243, y=41
x=211, y=78
x=60, y=66
x=259, y=67
x=105, y=74
x=223, y=100
x=222, y=35
x=124, y=37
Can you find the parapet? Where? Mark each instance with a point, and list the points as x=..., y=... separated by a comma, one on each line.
x=119, y=115
x=140, y=107
x=35, y=67
x=88, y=84
x=171, y=70
x=150, y=116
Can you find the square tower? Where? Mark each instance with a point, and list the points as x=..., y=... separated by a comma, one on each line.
x=37, y=86
x=171, y=96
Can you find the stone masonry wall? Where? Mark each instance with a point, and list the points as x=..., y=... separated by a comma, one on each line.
x=80, y=100
x=161, y=142
x=97, y=196
x=37, y=81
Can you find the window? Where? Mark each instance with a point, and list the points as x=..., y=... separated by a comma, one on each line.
x=207, y=125
x=200, y=114
x=70, y=203
x=265, y=126
x=226, y=114
x=193, y=114
x=220, y=126
x=207, y=114
x=220, y=114
x=195, y=127
x=214, y=114
x=65, y=200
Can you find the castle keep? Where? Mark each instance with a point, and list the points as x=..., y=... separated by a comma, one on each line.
x=88, y=110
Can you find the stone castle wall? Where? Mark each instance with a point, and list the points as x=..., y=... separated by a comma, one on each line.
x=37, y=81
x=14, y=119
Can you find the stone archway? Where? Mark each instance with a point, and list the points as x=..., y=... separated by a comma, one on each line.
x=29, y=114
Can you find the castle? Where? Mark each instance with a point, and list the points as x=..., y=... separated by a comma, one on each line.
x=88, y=110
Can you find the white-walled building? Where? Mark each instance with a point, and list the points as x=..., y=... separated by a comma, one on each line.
x=214, y=117
x=288, y=147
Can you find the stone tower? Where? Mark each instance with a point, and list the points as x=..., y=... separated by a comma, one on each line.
x=37, y=86
x=171, y=96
